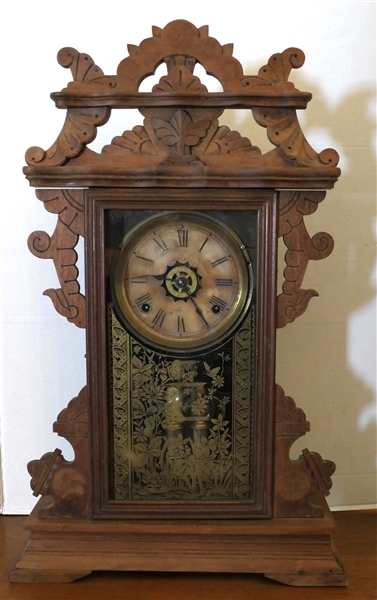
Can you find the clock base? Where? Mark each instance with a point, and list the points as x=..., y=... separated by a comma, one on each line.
x=293, y=551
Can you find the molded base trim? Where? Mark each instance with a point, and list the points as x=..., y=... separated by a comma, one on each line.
x=298, y=552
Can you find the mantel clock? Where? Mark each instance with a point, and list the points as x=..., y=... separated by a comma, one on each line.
x=181, y=436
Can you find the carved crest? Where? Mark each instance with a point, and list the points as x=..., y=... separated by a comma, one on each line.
x=181, y=127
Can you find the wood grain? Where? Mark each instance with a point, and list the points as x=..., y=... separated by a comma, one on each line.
x=180, y=154
x=356, y=542
x=181, y=128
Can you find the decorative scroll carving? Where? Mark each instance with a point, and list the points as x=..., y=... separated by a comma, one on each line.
x=283, y=128
x=80, y=127
x=65, y=481
x=181, y=126
x=278, y=68
x=69, y=206
x=82, y=66
x=301, y=248
x=180, y=44
x=296, y=482
x=284, y=131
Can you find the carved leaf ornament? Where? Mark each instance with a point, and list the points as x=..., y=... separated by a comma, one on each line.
x=181, y=46
x=181, y=131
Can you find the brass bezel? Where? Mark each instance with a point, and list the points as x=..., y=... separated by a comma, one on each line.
x=129, y=317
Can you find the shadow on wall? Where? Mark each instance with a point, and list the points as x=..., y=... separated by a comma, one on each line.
x=344, y=323
x=327, y=359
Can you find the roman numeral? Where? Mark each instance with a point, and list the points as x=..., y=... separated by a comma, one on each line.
x=143, y=258
x=215, y=301
x=144, y=299
x=138, y=279
x=181, y=324
x=219, y=261
x=183, y=237
x=203, y=244
x=160, y=243
x=224, y=282
x=159, y=318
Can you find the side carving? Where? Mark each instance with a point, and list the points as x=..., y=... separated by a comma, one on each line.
x=80, y=126
x=66, y=482
x=69, y=206
x=293, y=205
x=298, y=482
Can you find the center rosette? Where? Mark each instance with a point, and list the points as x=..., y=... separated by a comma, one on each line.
x=181, y=281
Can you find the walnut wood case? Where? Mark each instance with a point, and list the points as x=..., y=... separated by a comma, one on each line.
x=180, y=157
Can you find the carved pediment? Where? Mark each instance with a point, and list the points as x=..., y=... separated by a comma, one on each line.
x=181, y=127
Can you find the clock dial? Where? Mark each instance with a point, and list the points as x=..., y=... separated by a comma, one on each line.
x=181, y=280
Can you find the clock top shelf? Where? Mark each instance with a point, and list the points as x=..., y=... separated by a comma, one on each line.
x=181, y=142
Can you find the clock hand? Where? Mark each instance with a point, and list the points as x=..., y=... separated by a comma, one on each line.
x=159, y=277
x=198, y=310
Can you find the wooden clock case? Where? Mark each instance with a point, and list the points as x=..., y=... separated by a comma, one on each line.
x=181, y=157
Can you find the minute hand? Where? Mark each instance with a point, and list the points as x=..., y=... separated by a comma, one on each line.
x=199, y=311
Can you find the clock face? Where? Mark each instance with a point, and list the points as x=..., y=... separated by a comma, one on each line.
x=181, y=281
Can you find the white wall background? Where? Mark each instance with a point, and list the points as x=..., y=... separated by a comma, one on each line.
x=326, y=359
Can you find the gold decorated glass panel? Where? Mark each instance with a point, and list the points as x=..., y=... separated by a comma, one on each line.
x=181, y=341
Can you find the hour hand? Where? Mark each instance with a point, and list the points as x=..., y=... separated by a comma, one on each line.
x=162, y=277
x=143, y=278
